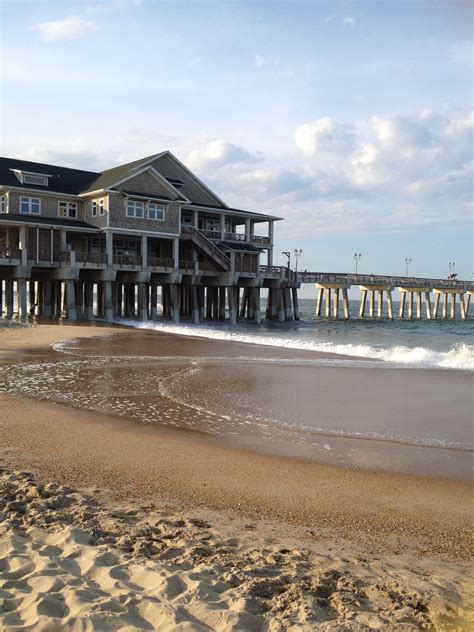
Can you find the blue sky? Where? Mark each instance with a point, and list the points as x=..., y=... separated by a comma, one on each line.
x=351, y=119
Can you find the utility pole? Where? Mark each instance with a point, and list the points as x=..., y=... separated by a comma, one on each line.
x=357, y=257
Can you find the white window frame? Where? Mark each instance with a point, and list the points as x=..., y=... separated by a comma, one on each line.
x=133, y=206
x=98, y=207
x=65, y=208
x=30, y=201
x=156, y=207
x=3, y=204
x=29, y=178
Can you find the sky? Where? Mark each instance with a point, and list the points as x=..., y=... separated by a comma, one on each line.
x=351, y=120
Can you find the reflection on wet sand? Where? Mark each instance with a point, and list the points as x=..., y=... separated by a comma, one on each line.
x=271, y=400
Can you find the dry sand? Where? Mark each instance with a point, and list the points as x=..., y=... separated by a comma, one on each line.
x=194, y=536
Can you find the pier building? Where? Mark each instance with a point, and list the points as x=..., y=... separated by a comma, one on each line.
x=149, y=238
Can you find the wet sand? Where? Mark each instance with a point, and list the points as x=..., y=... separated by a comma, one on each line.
x=388, y=534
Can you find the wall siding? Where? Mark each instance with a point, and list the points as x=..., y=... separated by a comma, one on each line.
x=49, y=204
x=118, y=217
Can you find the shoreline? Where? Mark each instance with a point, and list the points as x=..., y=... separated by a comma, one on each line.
x=274, y=541
x=201, y=471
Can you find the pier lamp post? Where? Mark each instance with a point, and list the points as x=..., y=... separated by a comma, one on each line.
x=297, y=254
x=407, y=265
x=357, y=257
x=288, y=255
x=451, y=265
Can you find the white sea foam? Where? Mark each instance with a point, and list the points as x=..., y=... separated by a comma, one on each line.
x=458, y=357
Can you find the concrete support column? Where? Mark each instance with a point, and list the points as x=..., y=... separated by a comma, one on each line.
x=142, y=302
x=463, y=306
x=195, y=304
x=319, y=301
x=390, y=304
x=403, y=299
x=418, y=305
x=436, y=306
x=100, y=300
x=71, y=300
x=222, y=291
x=1, y=299
x=257, y=310
x=296, y=307
x=176, y=253
x=109, y=247
x=108, y=302
x=380, y=304
x=345, y=299
x=445, y=304
x=118, y=299
x=428, y=306
x=144, y=252
x=9, y=298
x=372, y=303
x=174, y=303
x=247, y=229
x=58, y=289
x=453, y=305
x=362, y=303
x=281, y=306
x=23, y=245
x=328, y=302
x=22, y=299
x=410, y=306
x=336, y=303
x=223, y=226
x=288, y=309
x=232, y=300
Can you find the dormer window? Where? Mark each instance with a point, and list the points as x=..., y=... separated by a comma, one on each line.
x=30, y=177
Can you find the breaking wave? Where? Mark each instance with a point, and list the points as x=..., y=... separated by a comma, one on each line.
x=459, y=357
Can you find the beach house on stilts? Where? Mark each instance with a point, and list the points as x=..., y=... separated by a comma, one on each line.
x=135, y=241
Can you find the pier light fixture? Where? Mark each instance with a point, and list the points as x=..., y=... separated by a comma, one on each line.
x=357, y=257
x=408, y=261
x=297, y=254
x=451, y=265
x=287, y=254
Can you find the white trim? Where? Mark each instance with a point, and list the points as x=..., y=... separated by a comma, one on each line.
x=227, y=211
x=135, y=204
x=96, y=192
x=140, y=232
x=10, y=222
x=56, y=194
x=150, y=198
x=32, y=173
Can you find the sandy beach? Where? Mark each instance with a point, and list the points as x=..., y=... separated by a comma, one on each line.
x=108, y=524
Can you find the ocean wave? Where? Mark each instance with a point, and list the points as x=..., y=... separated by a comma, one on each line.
x=459, y=357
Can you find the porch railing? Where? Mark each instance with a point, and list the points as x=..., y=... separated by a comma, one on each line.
x=127, y=260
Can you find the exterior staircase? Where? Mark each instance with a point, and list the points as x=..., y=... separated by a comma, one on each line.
x=206, y=246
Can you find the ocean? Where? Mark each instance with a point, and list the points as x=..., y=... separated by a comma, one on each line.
x=402, y=343
x=375, y=394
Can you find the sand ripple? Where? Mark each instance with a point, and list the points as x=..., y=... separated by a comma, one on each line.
x=70, y=563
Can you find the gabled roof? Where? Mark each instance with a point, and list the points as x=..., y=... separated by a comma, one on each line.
x=63, y=179
x=108, y=178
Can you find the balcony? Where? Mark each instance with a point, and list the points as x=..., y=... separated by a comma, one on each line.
x=91, y=258
x=161, y=263
x=129, y=261
x=10, y=256
x=263, y=241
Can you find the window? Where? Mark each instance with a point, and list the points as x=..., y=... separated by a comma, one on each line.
x=135, y=209
x=98, y=207
x=40, y=180
x=29, y=177
x=3, y=204
x=67, y=209
x=156, y=211
x=30, y=205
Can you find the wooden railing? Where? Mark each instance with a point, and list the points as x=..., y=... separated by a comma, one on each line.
x=161, y=262
x=377, y=279
x=206, y=246
x=98, y=258
x=127, y=260
x=10, y=253
x=257, y=239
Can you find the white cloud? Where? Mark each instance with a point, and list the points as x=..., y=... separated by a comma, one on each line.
x=463, y=53
x=218, y=153
x=349, y=20
x=346, y=20
x=323, y=135
x=68, y=28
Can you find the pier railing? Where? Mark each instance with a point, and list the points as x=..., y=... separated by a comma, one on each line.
x=377, y=279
